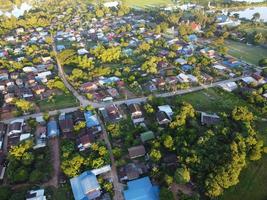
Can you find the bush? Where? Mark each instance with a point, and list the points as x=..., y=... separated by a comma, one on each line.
x=5, y=192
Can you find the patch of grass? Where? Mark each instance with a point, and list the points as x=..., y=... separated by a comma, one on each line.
x=262, y=30
x=61, y=101
x=252, y=183
x=147, y=3
x=249, y=53
x=214, y=100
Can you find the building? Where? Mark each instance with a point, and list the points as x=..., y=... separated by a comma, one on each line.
x=15, y=127
x=209, y=119
x=136, y=113
x=167, y=109
x=36, y=195
x=229, y=86
x=162, y=118
x=66, y=125
x=141, y=189
x=85, y=186
x=136, y=151
x=146, y=136
x=52, y=129
x=85, y=141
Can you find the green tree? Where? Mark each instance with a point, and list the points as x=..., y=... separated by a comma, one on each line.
x=165, y=194
x=182, y=175
x=155, y=155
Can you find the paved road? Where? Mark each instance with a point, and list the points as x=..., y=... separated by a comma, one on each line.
x=128, y=101
x=83, y=101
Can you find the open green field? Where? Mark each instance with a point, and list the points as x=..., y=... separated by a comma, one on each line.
x=61, y=101
x=253, y=179
x=147, y=3
x=214, y=100
x=262, y=30
x=251, y=54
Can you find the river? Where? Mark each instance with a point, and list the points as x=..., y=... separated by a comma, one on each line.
x=248, y=13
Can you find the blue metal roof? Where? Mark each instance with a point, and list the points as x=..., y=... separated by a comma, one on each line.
x=91, y=120
x=187, y=67
x=141, y=189
x=232, y=65
x=85, y=186
x=52, y=129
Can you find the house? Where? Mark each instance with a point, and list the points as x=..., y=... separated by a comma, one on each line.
x=150, y=86
x=141, y=189
x=248, y=80
x=170, y=159
x=111, y=4
x=87, y=87
x=219, y=67
x=38, y=89
x=260, y=79
x=167, y=109
x=136, y=151
x=195, y=26
x=85, y=186
x=36, y=195
x=180, y=61
x=78, y=116
x=113, y=112
x=230, y=86
x=15, y=127
x=113, y=92
x=146, y=136
x=85, y=141
x=182, y=78
x=40, y=136
x=82, y=51
x=52, y=129
x=9, y=97
x=92, y=121
x=66, y=125
x=209, y=119
x=162, y=118
x=136, y=113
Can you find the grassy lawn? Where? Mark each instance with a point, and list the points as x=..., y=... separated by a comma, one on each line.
x=252, y=183
x=251, y=54
x=61, y=101
x=147, y=3
x=262, y=30
x=214, y=100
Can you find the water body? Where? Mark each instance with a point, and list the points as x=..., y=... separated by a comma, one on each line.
x=248, y=13
x=17, y=11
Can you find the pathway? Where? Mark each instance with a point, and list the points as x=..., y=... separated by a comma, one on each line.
x=118, y=187
x=55, y=160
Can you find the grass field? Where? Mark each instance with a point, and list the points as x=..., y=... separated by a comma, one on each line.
x=214, y=100
x=251, y=54
x=253, y=180
x=147, y=3
x=61, y=101
x=262, y=30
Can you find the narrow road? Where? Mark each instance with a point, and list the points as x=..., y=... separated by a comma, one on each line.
x=55, y=160
x=118, y=188
x=129, y=101
x=83, y=101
